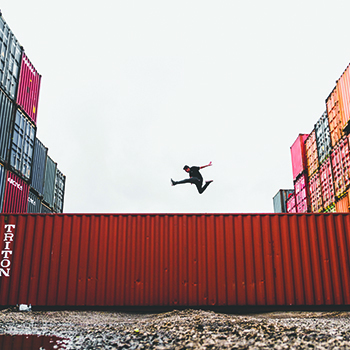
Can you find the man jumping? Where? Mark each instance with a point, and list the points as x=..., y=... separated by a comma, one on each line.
x=195, y=178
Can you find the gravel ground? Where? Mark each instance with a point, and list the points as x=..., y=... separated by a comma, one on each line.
x=187, y=329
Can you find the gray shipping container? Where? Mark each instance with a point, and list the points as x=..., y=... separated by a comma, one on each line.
x=279, y=201
x=10, y=59
x=323, y=138
x=38, y=167
x=22, y=145
x=6, y=121
x=2, y=185
x=34, y=203
x=60, y=185
x=45, y=210
x=49, y=182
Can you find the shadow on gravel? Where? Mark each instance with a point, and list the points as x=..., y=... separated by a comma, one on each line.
x=30, y=342
x=237, y=310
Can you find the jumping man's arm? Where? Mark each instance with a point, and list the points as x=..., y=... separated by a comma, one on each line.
x=204, y=166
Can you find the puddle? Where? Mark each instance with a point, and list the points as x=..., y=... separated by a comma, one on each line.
x=30, y=342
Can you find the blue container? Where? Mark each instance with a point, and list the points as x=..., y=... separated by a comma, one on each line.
x=49, y=182
x=60, y=185
x=280, y=199
x=22, y=146
x=323, y=138
x=10, y=60
x=34, y=203
x=2, y=185
x=38, y=167
x=6, y=121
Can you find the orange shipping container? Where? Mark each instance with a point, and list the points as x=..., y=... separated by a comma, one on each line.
x=334, y=117
x=342, y=205
x=316, y=203
x=343, y=86
x=311, y=153
x=174, y=259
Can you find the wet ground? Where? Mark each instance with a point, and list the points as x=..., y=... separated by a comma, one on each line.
x=187, y=329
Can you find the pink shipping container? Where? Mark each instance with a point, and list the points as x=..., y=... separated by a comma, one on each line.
x=175, y=259
x=16, y=194
x=303, y=206
x=316, y=203
x=28, y=88
x=300, y=183
x=291, y=205
x=298, y=155
x=340, y=166
x=343, y=85
x=311, y=153
x=301, y=190
x=345, y=157
x=327, y=184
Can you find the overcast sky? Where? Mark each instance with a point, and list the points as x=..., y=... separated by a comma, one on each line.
x=134, y=90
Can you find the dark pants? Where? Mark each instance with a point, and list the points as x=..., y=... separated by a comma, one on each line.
x=195, y=181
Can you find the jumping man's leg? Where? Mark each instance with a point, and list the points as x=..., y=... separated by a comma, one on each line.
x=190, y=180
x=202, y=189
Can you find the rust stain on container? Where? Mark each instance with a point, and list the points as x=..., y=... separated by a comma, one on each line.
x=174, y=259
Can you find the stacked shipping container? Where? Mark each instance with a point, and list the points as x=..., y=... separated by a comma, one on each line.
x=25, y=184
x=326, y=172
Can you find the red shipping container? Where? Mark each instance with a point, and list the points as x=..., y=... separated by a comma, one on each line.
x=334, y=117
x=311, y=153
x=291, y=205
x=298, y=155
x=327, y=184
x=28, y=88
x=16, y=194
x=343, y=86
x=174, y=259
x=315, y=193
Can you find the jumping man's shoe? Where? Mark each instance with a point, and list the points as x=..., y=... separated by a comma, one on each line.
x=172, y=182
x=209, y=181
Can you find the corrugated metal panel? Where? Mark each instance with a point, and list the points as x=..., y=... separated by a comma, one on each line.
x=22, y=146
x=323, y=138
x=60, y=185
x=280, y=199
x=16, y=194
x=175, y=259
x=38, y=167
x=6, y=120
x=298, y=154
x=34, y=203
x=49, y=183
x=28, y=88
x=2, y=185
x=10, y=59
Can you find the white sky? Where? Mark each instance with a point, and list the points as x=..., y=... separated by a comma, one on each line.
x=134, y=90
